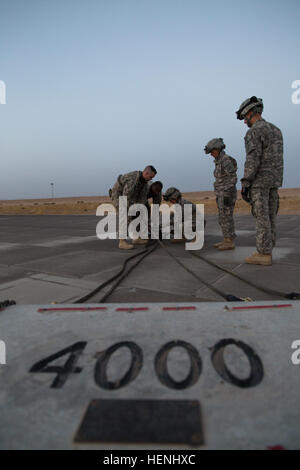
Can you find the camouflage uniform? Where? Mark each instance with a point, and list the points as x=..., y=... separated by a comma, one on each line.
x=263, y=176
x=182, y=203
x=156, y=198
x=225, y=190
x=132, y=185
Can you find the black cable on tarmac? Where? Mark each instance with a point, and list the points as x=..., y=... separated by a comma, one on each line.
x=120, y=279
x=265, y=290
x=144, y=252
x=228, y=297
x=7, y=303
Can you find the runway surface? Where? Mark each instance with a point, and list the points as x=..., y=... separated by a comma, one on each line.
x=165, y=363
x=46, y=259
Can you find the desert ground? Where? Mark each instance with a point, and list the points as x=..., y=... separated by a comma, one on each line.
x=87, y=205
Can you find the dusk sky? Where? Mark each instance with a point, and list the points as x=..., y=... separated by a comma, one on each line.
x=97, y=88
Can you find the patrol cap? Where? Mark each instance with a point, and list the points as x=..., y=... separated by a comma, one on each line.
x=216, y=143
x=249, y=104
x=172, y=193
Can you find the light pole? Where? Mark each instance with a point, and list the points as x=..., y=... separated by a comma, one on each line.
x=52, y=190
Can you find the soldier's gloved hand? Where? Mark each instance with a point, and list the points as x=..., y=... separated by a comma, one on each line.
x=246, y=194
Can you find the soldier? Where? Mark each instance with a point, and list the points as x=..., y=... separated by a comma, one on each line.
x=263, y=176
x=135, y=186
x=174, y=196
x=155, y=192
x=154, y=196
x=225, y=190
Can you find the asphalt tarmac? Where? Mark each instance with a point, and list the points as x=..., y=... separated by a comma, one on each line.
x=46, y=259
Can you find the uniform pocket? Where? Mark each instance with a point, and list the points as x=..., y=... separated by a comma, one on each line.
x=227, y=201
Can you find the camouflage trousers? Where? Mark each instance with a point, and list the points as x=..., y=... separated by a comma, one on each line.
x=265, y=205
x=226, y=202
x=115, y=202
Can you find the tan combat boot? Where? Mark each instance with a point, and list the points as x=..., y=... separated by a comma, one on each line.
x=227, y=244
x=140, y=241
x=216, y=245
x=124, y=245
x=259, y=258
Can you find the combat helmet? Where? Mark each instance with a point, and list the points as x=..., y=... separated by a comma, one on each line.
x=172, y=193
x=248, y=105
x=217, y=144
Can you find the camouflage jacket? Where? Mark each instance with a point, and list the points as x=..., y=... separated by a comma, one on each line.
x=182, y=203
x=132, y=185
x=225, y=173
x=156, y=198
x=264, y=156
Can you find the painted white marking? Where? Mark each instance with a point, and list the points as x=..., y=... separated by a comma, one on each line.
x=65, y=241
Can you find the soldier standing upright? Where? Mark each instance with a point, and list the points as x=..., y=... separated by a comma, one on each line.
x=225, y=190
x=263, y=176
x=135, y=186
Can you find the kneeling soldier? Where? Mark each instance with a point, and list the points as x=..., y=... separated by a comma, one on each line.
x=174, y=196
